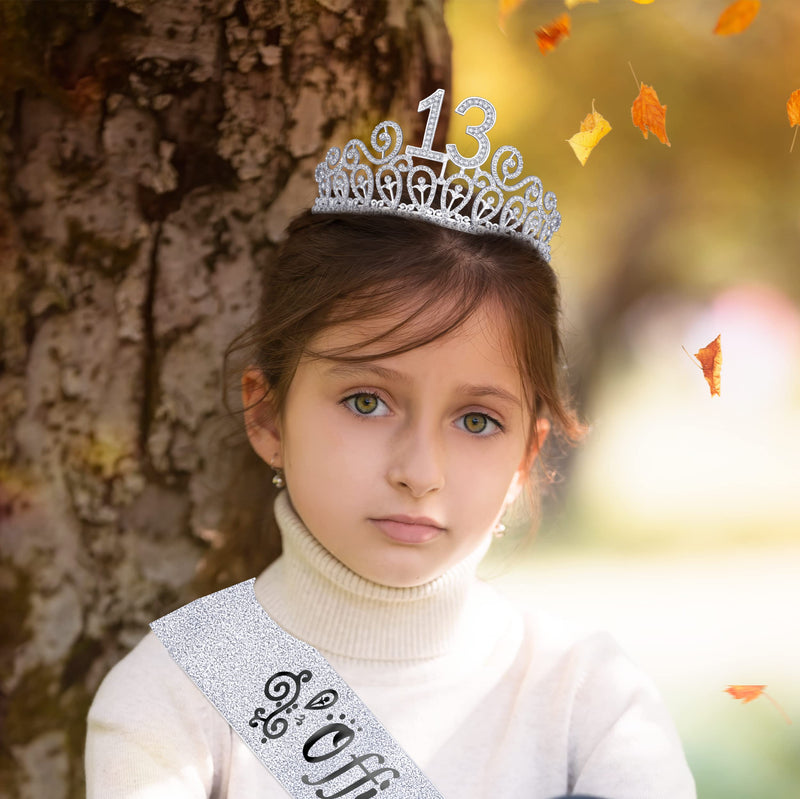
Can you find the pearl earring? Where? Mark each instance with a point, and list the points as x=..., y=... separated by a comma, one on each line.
x=499, y=530
x=278, y=479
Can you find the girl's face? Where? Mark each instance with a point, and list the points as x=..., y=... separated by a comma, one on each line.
x=401, y=466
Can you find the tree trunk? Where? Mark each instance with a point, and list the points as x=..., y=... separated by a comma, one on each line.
x=152, y=153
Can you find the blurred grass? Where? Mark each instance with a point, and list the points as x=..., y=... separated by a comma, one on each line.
x=743, y=753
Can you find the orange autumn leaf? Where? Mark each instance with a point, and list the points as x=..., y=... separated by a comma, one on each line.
x=649, y=115
x=548, y=36
x=747, y=693
x=593, y=128
x=710, y=358
x=737, y=17
x=793, y=108
x=793, y=112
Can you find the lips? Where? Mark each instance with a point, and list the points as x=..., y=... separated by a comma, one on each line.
x=409, y=529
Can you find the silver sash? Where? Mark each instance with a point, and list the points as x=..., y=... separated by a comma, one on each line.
x=286, y=702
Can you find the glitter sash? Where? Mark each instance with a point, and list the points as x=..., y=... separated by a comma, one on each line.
x=286, y=702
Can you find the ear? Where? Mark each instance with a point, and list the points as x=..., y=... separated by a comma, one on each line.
x=521, y=475
x=260, y=417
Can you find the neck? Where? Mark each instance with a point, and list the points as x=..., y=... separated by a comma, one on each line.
x=320, y=600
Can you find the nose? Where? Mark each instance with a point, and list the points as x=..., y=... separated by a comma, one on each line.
x=416, y=461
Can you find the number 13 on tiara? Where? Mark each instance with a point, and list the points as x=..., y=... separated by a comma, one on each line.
x=386, y=177
x=433, y=104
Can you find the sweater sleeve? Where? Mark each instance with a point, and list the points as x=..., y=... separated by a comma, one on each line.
x=628, y=747
x=152, y=734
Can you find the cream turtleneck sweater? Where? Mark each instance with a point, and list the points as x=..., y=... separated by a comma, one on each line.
x=489, y=702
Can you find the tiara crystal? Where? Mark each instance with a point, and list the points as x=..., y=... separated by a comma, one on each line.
x=357, y=180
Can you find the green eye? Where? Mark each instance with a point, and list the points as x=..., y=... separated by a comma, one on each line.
x=475, y=422
x=365, y=403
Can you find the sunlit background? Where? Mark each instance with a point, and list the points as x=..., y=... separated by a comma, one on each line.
x=677, y=523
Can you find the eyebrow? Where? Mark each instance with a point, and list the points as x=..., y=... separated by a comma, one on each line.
x=357, y=369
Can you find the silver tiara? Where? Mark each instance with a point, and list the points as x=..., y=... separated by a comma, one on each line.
x=355, y=180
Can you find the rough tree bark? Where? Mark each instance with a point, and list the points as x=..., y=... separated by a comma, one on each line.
x=152, y=152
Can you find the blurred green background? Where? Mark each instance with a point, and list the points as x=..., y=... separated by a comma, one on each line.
x=676, y=524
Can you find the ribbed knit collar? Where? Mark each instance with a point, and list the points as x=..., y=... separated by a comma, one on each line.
x=318, y=599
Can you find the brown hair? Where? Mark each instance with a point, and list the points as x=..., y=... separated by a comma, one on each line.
x=339, y=268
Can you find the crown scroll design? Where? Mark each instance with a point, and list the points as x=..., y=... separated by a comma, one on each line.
x=361, y=179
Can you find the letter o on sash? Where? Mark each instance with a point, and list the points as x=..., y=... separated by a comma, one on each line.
x=342, y=737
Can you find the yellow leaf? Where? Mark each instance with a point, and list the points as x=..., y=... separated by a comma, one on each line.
x=643, y=2
x=573, y=3
x=593, y=128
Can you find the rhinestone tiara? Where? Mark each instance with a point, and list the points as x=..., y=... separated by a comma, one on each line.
x=357, y=180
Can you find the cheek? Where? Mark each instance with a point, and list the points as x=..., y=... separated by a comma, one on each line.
x=325, y=445
x=483, y=475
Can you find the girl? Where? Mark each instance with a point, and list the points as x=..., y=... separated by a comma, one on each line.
x=402, y=380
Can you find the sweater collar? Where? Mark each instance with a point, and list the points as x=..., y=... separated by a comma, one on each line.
x=318, y=599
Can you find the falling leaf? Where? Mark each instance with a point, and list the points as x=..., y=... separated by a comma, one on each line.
x=506, y=9
x=593, y=128
x=793, y=110
x=710, y=358
x=737, y=17
x=548, y=36
x=747, y=693
x=573, y=3
x=643, y=2
x=649, y=114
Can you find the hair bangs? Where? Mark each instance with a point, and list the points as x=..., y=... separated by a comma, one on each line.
x=418, y=311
